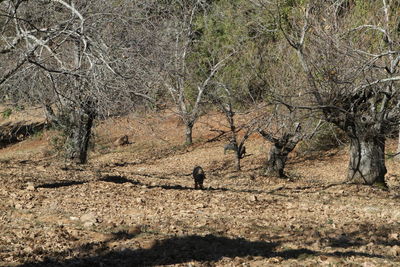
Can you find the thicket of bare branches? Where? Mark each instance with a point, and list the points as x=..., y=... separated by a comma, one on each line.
x=78, y=59
x=85, y=60
x=352, y=72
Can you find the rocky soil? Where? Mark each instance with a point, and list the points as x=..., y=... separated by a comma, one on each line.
x=135, y=205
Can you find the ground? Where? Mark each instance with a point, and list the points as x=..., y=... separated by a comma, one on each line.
x=135, y=205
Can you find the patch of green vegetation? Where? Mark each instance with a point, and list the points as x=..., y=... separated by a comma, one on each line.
x=103, y=149
x=6, y=113
x=5, y=161
x=19, y=108
x=304, y=256
x=38, y=134
x=381, y=185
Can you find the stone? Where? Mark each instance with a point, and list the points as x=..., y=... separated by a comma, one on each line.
x=394, y=236
x=30, y=187
x=88, y=219
x=88, y=224
x=134, y=230
x=394, y=251
x=253, y=198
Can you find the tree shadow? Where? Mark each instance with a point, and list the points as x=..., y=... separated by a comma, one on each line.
x=119, y=180
x=345, y=242
x=366, y=233
x=60, y=184
x=217, y=189
x=179, y=250
x=174, y=250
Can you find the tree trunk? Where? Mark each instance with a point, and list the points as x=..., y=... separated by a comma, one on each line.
x=189, y=133
x=49, y=114
x=78, y=142
x=237, y=161
x=367, y=160
x=278, y=154
x=275, y=164
x=397, y=157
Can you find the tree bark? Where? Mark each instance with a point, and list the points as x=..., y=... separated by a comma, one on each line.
x=188, y=133
x=78, y=143
x=367, y=160
x=397, y=157
x=278, y=154
x=237, y=161
x=275, y=164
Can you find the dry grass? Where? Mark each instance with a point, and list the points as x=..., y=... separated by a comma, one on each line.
x=135, y=205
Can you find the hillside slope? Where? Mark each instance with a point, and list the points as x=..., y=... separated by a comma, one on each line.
x=135, y=205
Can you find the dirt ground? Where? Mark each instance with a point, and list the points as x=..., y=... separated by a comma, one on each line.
x=135, y=205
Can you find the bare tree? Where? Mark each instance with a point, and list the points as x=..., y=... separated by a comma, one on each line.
x=186, y=92
x=284, y=128
x=72, y=60
x=353, y=77
x=222, y=96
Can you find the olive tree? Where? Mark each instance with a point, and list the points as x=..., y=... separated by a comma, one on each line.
x=351, y=62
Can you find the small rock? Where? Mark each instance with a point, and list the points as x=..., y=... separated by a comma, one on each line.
x=111, y=224
x=88, y=224
x=253, y=198
x=88, y=219
x=323, y=258
x=395, y=251
x=18, y=206
x=28, y=250
x=72, y=218
x=134, y=230
x=123, y=249
x=139, y=200
x=147, y=244
x=394, y=236
x=30, y=187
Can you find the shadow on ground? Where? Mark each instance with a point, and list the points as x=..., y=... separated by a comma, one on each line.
x=122, y=180
x=60, y=184
x=177, y=250
x=170, y=251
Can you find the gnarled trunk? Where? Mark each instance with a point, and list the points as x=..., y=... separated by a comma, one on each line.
x=367, y=160
x=276, y=162
x=278, y=154
x=79, y=138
